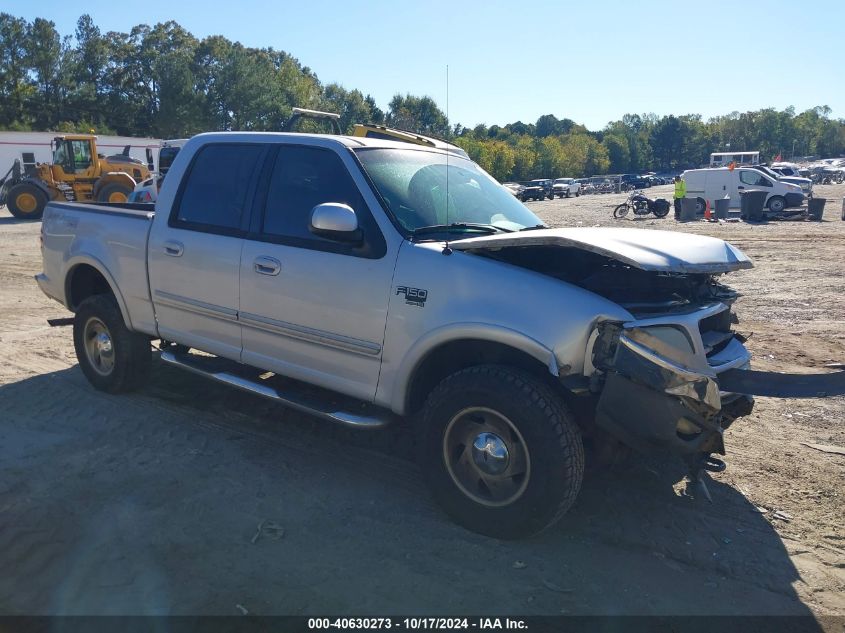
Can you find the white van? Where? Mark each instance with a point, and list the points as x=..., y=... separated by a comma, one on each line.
x=715, y=184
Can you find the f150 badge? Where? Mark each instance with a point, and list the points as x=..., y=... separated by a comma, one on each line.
x=413, y=296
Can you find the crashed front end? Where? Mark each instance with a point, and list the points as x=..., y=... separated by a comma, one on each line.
x=658, y=380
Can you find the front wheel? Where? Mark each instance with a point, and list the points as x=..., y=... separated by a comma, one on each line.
x=113, y=358
x=777, y=204
x=500, y=452
x=114, y=192
x=620, y=212
x=26, y=201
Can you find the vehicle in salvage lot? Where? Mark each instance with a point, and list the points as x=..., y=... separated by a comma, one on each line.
x=531, y=190
x=566, y=187
x=503, y=342
x=711, y=184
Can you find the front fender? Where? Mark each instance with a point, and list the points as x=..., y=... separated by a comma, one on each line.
x=457, y=332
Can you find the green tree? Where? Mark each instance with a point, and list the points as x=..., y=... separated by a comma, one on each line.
x=14, y=88
x=417, y=114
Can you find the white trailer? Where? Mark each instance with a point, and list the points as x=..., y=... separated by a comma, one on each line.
x=34, y=147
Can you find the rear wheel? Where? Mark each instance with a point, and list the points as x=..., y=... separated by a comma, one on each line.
x=114, y=192
x=500, y=451
x=776, y=204
x=26, y=201
x=112, y=357
x=620, y=212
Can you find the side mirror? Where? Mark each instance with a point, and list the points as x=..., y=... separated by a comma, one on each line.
x=335, y=221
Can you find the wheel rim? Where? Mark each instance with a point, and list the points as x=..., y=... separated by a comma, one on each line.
x=26, y=202
x=98, y=346
x=486, y=456
x=117, y=196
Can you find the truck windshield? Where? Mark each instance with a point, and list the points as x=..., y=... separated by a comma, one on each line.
x=422, y=189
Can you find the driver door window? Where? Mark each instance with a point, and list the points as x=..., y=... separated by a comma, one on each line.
x=754, y=179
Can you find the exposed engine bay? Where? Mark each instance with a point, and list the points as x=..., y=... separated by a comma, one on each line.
x=641, y=292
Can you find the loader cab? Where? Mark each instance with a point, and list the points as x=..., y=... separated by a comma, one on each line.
x=73, y=157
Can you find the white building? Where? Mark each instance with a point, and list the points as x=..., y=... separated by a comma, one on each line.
x=34, y=147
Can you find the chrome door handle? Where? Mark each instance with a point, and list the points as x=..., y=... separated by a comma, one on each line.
x=267, y=266
x=174, y=249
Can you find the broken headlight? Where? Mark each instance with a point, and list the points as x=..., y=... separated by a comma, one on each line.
x=670, y=342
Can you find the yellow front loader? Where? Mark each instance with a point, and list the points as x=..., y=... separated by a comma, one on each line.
x=77, y=173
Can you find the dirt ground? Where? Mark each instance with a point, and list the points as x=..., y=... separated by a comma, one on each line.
x=151, y=503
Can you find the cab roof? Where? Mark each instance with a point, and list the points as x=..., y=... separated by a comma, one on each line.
x=352, y=142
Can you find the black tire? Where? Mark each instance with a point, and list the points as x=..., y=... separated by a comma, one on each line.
x=577, y=193
x=700, y=206
x=26, y=201
x=620, y=211
x=661, y=210
x=545, y=435
x=113, y=190
x=130, y=353
x=776, y=204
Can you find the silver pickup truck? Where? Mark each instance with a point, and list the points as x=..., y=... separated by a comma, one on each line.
x=371, y=282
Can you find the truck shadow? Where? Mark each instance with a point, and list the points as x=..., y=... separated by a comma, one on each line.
x=630, y=545
x=10, y=219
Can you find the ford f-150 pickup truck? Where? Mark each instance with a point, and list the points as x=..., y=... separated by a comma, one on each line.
x=369, y=282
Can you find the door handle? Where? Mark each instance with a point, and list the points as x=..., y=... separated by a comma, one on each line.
x=174, y=249
x=267, y=266
x=740, y=187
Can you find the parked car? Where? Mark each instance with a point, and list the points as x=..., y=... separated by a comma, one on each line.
x=147, y=190
x=532, y=190
x=633, y=181
x=364, y=284
x=715, y=183
x=806, y=184
x=514, y=188
x=566, y=187
x=546, y=184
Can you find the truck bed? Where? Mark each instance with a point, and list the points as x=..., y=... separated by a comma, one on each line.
x=110, y=238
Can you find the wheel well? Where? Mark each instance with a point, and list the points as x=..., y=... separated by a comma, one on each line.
x=456, y=355
x=85, y=281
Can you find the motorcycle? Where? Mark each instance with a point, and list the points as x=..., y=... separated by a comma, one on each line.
x=642, y=205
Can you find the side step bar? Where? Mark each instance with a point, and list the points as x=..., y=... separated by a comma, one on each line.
x=372, y=418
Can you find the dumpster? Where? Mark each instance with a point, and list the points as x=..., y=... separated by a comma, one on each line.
x=816, y=208
x=751, y=204
x=688, y=209
x=722, y=208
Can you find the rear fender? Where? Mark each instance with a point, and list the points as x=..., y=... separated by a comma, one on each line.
x=78, y=260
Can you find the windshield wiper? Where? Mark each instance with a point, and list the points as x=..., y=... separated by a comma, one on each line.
x=536, y=227
x=460, y=226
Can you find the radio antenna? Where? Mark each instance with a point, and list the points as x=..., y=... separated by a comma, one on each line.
x=448, y=131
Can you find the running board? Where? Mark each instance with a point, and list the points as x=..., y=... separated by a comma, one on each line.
x=373, y=418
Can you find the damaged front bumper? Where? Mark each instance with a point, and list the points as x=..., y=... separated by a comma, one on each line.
x=660, y=386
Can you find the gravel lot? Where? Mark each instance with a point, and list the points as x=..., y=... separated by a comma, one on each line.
x=151, y=503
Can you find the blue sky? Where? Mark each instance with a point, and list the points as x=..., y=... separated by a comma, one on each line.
x=589, y=61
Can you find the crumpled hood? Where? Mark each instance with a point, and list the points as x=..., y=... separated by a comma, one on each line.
x=659, y=251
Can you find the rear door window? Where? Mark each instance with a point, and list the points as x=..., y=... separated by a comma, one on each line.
x=218, y=188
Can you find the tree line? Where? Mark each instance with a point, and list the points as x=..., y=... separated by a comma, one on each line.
x=163, y=82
